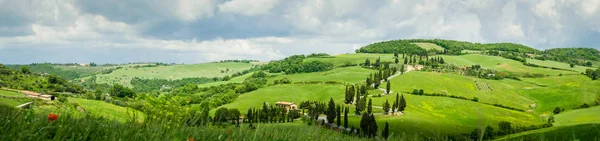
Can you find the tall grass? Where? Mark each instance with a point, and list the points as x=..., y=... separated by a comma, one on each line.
x=17, y=124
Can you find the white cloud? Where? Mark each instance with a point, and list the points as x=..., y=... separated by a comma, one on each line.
x=191, y=10
x=248, y=7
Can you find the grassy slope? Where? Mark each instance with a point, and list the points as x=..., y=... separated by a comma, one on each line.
x=562, y=91
x=452, y=84
x=499, y=63
x=434, y=116
x=124, y=75
x=107, y=110
x=583, y=124
x=238, y=79
x=549, y=63
x=11, y=102
x=356, y=59
x=429, y=46
x=345, y=74
x=291, y=93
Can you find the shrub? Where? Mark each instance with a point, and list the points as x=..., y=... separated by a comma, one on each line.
x=475, y=99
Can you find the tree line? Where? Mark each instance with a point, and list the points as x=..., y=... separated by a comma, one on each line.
x=296, y=64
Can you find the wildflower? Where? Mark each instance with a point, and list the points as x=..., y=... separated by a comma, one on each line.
x=52, y=117
x=228, y=131
x=191, y=139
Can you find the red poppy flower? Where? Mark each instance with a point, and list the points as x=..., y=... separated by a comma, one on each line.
x=228, y=131
x=52, y=117
x=191, y=139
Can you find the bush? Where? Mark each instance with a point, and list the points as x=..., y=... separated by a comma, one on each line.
x=475, y=99
x=62, y=99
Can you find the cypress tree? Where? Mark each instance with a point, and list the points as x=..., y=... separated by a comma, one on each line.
x=386, y=107
x=388, y=88
x=402, y=103
x=331, y=112
x=385, y=134
x=339, y=115
x=346, y=110
x=370, y=107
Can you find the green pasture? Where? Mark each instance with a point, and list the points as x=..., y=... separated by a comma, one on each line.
x=561, y=65
x=562, y=91
x=499, y=63
x=238, y=79
x=503, y=91
x=124, y=75
x=107, y=110
x=355, y=58
x=429, y=46
x=345, y=74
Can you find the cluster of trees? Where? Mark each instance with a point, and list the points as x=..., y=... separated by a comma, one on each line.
x=354, y=90
x=25, y=79
x=454, y=47
x=63, y=72
x=238, y=61
x=398, y=105
x=284, y=80
x=594, y=74
x=318, y=55
x=394, y=46
x=296, y=64
x=578, y=56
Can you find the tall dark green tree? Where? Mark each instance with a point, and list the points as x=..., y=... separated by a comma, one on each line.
x=402, y=103
x=346, y=110
x=397, y=61
x=370, y=107
x=367, y=63
x=386, y=107
x=331, y=112
x=387, y=88
x=339, y=116
x=386, y=131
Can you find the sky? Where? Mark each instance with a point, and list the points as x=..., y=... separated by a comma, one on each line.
x=196, y=31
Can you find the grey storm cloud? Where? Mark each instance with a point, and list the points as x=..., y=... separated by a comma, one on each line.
x=193, y=31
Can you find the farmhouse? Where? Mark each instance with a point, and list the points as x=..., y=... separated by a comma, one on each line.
x=287, y=105
x=418, y=67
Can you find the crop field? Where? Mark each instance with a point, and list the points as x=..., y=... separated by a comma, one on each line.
x=504, y=91
x=124, y=75
x=563, y=91
x=429, y=46
x=345, y=75
x=499, y=63
x=357, y=58
x=561, y=65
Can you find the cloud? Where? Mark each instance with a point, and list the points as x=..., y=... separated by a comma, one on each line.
x=193, y=31
x=248, y=7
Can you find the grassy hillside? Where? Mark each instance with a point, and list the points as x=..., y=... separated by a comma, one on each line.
x=429, y=46
x=584, y=132
x=434, y=116
x=561, y=65
x=124, y=75
x=107, y=110
x=238, y=79
x=290, y=93
x=501, y=92
x=346, y=74
x=355, y=59
x=580, y=116
x=562, y=91
x=499, y=63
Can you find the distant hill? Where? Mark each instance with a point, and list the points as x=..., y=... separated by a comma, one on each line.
x=451, y=46
x=578, y=56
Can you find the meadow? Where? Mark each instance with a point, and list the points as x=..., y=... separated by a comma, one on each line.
x=562, y=91
x=238, y=79
x=500, y=64
x=351, y=75
x=429, y=46
x=560, y=65
x=124, y=75
x=355, y=58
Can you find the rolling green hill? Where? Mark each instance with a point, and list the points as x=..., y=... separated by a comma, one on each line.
x=123, y=76
x=499, y=63
x=354, y=59
x=429, y=46
x=344, y=75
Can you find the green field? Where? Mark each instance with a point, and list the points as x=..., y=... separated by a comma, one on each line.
x=11, y=101
x=11, y=93
x=344, y=75
x=290, y=93
x=499, y=63
x=238, y=79
x=503, y=91
x=562, y=91
x=429, y=46
x=433, y=116
x=107, y=110
x=355, y=59
x=124, y=75
x=561, y=65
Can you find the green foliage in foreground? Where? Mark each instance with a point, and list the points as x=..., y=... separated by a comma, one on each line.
x=18, y=124
x=584, y=132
